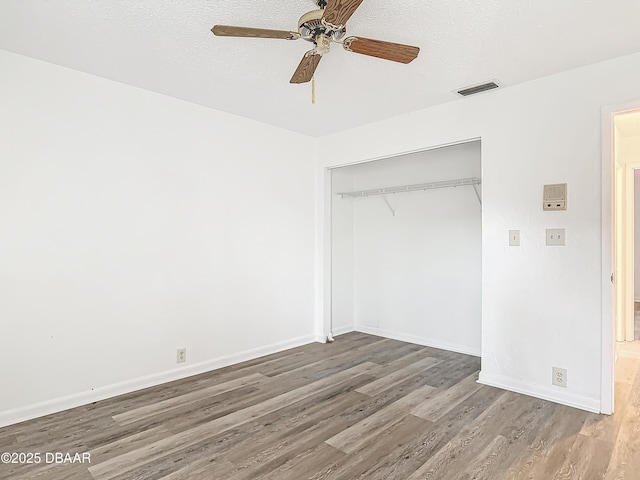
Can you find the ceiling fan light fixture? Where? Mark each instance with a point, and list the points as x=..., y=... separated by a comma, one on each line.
x=309, y=23
x=339, y=34
x=323, y=44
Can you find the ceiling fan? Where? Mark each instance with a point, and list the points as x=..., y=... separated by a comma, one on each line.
x=322, y=27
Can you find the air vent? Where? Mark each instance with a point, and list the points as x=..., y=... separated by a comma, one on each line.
x=465, y=92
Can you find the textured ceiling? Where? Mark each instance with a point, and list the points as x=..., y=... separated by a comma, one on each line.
x=166, y=46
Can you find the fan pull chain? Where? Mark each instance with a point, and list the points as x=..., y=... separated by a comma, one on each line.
x=313, y=90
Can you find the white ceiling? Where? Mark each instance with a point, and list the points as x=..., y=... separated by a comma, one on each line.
x=166, y=46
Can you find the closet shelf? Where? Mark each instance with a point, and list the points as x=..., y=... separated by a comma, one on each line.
x=461, y=182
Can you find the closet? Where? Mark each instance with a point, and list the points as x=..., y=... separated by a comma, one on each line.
x=406, y=247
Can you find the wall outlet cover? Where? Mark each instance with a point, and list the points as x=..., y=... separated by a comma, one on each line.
x=559, y=377
x=181, y=355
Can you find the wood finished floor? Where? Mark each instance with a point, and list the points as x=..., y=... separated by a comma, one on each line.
x=362, y=407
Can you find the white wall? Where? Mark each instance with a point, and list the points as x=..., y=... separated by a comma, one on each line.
x=133, y=224
x=618, y=234
x=417, y=274
x=636, y=234
x=342, y=254
x=627, y=156
x=630, y=153
x=541, y=306
x=630, y=149
x=630, y=157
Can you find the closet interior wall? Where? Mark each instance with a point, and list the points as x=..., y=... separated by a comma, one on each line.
x=409, y=269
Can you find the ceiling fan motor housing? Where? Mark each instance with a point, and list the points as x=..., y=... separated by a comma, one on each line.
x=313, y=29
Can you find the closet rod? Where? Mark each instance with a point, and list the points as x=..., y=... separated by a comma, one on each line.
x=461, y=182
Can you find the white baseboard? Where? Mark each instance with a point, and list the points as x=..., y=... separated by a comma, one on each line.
x=342, y=330
x=553, y=394
x=427, y=342
x=334, y=332
x=29, y=412
x=636, y=299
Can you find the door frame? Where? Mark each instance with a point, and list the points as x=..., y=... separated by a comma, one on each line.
x=608, y=261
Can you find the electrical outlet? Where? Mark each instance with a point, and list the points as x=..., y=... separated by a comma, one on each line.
x=555, y=236
x=514, y=238
x=182, y=355
x=559, y=377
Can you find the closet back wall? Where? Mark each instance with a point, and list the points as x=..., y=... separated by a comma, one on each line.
x=416, y=274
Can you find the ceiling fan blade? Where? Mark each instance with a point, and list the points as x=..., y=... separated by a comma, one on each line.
x=307, y=67
x=377, y=48
x=337, y=12
x=231, y=31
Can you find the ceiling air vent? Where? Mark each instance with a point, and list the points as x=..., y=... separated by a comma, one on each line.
x=465, y=92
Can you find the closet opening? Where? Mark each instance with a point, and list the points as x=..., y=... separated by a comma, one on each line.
x=405, y=248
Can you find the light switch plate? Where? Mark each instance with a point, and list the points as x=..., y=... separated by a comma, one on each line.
x=556, y=236
x=514, y=238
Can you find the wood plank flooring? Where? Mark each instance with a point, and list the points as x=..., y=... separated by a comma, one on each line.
x=362, y=407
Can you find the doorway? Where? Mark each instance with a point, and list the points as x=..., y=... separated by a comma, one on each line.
x=621, y=160
x=627, y=210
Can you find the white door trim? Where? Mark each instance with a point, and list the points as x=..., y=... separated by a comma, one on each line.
x=608, y=324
